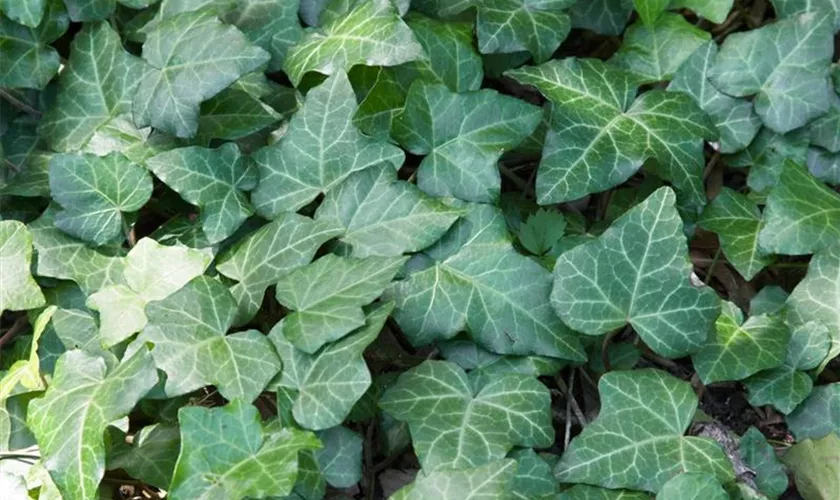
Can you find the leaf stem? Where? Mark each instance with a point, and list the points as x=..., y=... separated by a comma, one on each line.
x=711, y=269
x=14, y=101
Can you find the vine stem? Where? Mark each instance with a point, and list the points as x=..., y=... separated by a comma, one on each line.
x=14, y=101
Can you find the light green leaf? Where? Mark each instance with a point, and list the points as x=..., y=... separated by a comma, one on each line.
x=637, y=272
x=28, y=61
x=94, y=192
x=319, y=150
x=787, y=386
x=586, y=492
x=637, y=440
x=233, y=114
x=493, y=480
x=151, y=456
x=473, y=280
x=340, y=458
x=325, y=298
x=649, y=10
x=24, y=375
x=384, y=216
x=95, y=89
x=598, y=137
x=818, y=415
x=372, y=34
x=654, y=51
x=541, y=231
x=607, y=17
x=326, y=385
x=215, y=180
x=760, y=457
x=769, y=300
x=715, y=11
x=825, y=130
x=188, y=330
x=737, y=220
x=70, y=420
x=741, y=348
x=815, y=467
x=538, y=26
x=193, y=47
x=817, y=297
x=802, y=214
x=462, y=135
x=27, y=13
x=790, y=8
x=456, y=426
x=259, y=260
x=152, y=272
x=734, y=118
x=18, y=290
x=270, y=24
x=693, y=486
x=784, y=64
x=13, y=485
x=227, y=452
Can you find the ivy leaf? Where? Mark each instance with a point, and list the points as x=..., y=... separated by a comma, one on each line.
x=26, y=13
x=693, y=486
x=714, y=10
x=654, y=51
x=326, y=385
x=83, y=400
x=454, y=425
x=818, y=415
x=171, y=54
x=233, y=114
x=534, y=479
x=737, y=221
x=258, y=261
x=644, y=414
x=515, y=25
x=151, y=456
x=372, y=34
x=95, y=10
x=474, y=280
x=802, y=215
x=607, y=17
x=188, y=330
x=493, y=480
x=215, y=180
x=649, y=10
x=18, y=290
x=587, y=492
x=825, y=130
x=270, y=24
x=735, y=119
x=384, y=216
x=94, y=192
x=95, y=89
x=758, y=455
x=637, y=272
x=741, y=348
x=816, y=298
x=152, y=272
x=326, y=297
x=787, y=386
x=598, y=137
x=785, y=65
x=24, y=375
x=28, y=59
x=340, y=458
x=790, y=8
x=814, y=467
x=463, y=135
x=319, y=150
x=227, y=452
x=769, y=300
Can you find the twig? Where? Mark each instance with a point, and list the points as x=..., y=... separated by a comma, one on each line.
x=605, y=353
x=513, y=178
x=711, y=269
x=129, y=233
x=371, y=470
x=14, y=101
x=13, y=330
x=570, y=397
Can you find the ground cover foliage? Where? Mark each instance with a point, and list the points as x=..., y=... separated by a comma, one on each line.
x=426, y=249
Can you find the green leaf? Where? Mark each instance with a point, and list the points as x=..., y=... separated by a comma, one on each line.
x=824, y=166
x=227, y=452
x=270, y=24
x=18, y=290
x=326, y=385
x=637, y=272
x=192, y=47
x=462, y=135
x=769, y=300
x=233, y=114
x=26, y=13
x=28, y=59
x=513, y=25
x=152, y=272
x=215, y=180
x=24, y=375
x=737, y=221
x=814, y=466
x=384, y=216
x=741, y=348
x=784, y=64
x=599, y=137
x=693, y=486
x=816, y=297
x=94, y=192
x=151, y=456
x=541, y=231
x=654, y=51
x=735, y=119
x=758, y=455
x=608, y=17
x=818, y=415
x=259, y=260
x=325, y=298
x=319, y=150
x=766, y=155
x=95, y=10
x=534, y=479
x=82, y=401
x=715, y=11
x=188, y=330
x=825, y=130
x=790, y=8
x=95, y=89
x=637, y=440
x=340, y=458
x=586, y=492
x=649, y=10
x=802, y=215
x=473, y=280
x=372, y=34
x=456, y=426
x=493, y=480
